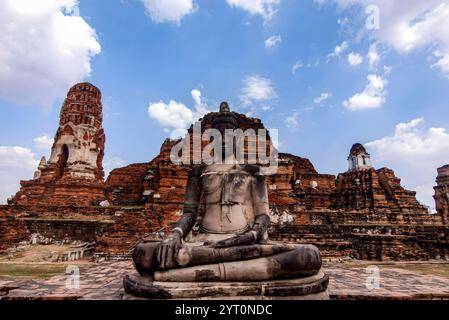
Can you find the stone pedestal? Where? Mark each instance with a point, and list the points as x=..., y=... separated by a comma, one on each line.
x=309, y=288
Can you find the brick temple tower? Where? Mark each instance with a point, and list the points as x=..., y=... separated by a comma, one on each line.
x=358, y=158
x=78, y=149
x=442, y=191
x=74, y=173
x=363, y=188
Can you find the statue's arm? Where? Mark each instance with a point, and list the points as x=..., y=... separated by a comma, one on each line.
x=191, y=203
x=261, y=207
x=169, y=247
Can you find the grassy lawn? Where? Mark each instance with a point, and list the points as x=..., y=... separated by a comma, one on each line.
x=32, y=263
x=16, y=271
x=441, y=270
x=436, y=269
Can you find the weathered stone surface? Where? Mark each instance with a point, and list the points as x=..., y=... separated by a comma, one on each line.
x=313, y=287
x=375, y=190
x=368, y=241
x=127, y=185
x=114, y=230
x=12, y=231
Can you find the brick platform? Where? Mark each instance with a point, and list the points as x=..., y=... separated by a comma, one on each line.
x=104, y=281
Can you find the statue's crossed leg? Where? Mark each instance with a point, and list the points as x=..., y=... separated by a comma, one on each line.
x=241, y=263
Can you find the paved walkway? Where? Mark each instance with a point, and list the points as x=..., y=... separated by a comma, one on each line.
x=104, y=281
x=394, y=283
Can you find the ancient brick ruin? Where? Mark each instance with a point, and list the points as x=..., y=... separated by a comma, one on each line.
x=363, y=212
x=364, y=188
x=442, y=192
x=74, y=173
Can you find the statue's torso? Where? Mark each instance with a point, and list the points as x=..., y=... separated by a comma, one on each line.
x=228, y=200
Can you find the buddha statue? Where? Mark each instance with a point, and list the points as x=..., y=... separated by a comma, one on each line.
x=231, y=242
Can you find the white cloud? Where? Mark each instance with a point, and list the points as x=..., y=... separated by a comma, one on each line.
x=292, y=121
x=415, y=154
x=341, y=21
x=273, y=41
x=257, y=89
x=172, y=115
x=373, y=56
x=176, y=116
x=16, y=163
x=442, y=63
x=298, y=65
x=323, y=97
x=171, y=11
x=200, y=106
x=45, y=47
x=264, y=8
x=372, y=97
x=339, y=50
x=355, y=59
x=412, y=25
x=43, y=142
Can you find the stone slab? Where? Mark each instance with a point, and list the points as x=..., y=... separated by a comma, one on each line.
x=299, y=288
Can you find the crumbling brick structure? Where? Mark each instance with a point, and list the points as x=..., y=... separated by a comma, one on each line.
x=442, y=192
x=74, y=173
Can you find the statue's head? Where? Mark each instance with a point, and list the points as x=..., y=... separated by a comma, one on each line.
x=225, y=122
x=224, y=107
x=225, y=119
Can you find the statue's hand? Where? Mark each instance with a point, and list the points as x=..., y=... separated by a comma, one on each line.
x=240, y=240
x=253, y=236
x=168, y=250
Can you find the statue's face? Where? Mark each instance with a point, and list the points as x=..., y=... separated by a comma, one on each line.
x=224, y=107
x=225, y=125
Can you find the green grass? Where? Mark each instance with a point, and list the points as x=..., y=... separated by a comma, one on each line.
x=441, y=270
x=32, y=263
x=16, y=271
x=436, y=269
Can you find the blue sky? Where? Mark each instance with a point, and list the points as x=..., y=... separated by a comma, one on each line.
x=323, y=79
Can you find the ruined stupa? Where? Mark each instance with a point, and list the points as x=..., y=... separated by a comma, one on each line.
x=74, y=173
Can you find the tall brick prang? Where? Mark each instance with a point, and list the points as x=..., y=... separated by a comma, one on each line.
x=74, y=173
x=365, y=189
x=442, y=192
